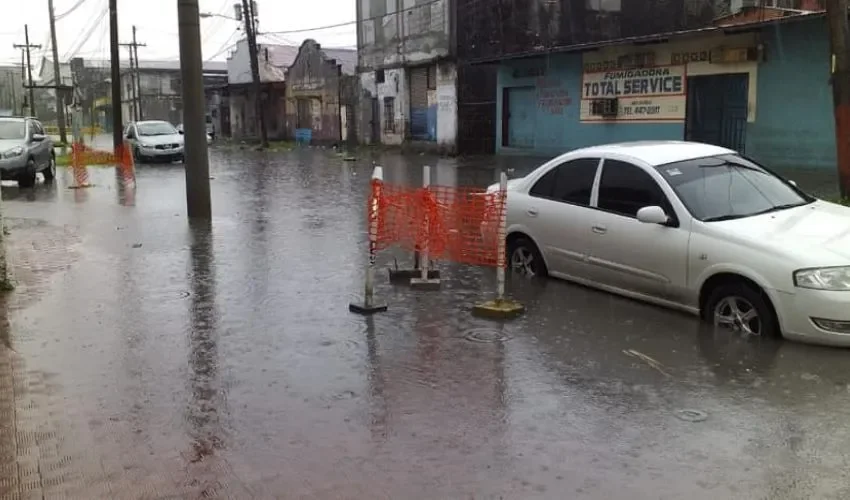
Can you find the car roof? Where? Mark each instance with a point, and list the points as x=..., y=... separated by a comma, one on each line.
x=656, y=152
x=151, y=121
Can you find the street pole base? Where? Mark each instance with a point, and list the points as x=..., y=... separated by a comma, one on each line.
x=366, y=309
x=424, y=284
x=403, y=276
x=498, y=309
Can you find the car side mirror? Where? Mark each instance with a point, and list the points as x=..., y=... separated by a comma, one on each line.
x=652, y=215
x=180, y=132
x=38, y=137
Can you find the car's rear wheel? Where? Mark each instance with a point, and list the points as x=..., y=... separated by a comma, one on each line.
x=27, y=178
x=524, y=258
x=742, y=308
x=50, y=172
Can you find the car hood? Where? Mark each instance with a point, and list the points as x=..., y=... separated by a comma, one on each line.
x=7, y=144
x=156, y=140
x=818, y=233
x=512, y=184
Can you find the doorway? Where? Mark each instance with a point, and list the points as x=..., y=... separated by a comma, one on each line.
x=518, y=113
x=717, y=110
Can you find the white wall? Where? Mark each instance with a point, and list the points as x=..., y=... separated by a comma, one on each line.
x=447, y=105
x=239, y=67
x=394, y=85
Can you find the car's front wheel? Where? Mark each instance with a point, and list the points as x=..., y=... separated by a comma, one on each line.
x=742, y=308
x=137, y=156
x=525, y=258
x=27, y=177
x=50, y=172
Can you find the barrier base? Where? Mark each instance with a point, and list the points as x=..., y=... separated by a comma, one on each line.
x=498, y=309
x=366, y=309
x=403, y=276
x=425, y=284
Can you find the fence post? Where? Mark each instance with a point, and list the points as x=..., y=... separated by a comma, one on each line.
x=500, y=308
x=398, y=276
x=369, y=306
x=425, y=281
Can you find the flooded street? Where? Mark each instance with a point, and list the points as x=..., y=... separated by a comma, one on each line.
x=144, y=357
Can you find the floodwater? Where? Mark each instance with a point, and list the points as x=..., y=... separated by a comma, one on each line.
x=144, y=357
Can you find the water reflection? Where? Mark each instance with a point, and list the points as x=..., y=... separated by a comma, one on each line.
x=204, y=406
x=376, y=384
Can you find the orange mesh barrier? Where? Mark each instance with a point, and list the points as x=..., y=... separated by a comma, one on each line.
x=83, y=156
x=457, y=224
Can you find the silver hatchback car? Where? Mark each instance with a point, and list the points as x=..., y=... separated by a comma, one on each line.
x=25, y=150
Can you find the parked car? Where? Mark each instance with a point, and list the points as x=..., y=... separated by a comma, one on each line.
x=25, y=150
x=690, y=226
x=209, y=136
x=154, y=140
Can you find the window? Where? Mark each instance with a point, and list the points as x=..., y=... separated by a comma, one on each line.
x=379, y=76
x=570, y=182
x=729, y=187
x=625, y=188
x=389, y=114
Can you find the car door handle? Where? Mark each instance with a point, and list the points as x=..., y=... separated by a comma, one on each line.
x=599, y=229
x=532, y=212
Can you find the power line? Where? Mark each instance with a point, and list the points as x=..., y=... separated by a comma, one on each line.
x=80, y=41
x=349, y=23
x=69, y=11
x=224, y=47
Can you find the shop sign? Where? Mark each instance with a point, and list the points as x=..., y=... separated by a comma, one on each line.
x=645, y=94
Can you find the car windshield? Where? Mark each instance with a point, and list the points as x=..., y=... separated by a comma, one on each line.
x=12, y=129
x=730, y=187
x=156, y=128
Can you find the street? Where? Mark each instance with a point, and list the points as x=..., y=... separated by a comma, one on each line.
x=144, y=357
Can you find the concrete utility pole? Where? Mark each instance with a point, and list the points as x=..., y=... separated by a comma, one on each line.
x=839, y=37
x=136, y=46
x=60, y=102
x=251, y=34
x=198, y=202
x=135, y=83
x=115, y=74
x=27, y=48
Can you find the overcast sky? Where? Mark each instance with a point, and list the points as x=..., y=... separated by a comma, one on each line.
x=80, y=34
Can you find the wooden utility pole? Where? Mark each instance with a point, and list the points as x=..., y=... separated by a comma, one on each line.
x=198, y=202
x=60, y=101
x=115, y=74
x=251, y=34
x=839, y=37
x=27, y=46
x=135, y=83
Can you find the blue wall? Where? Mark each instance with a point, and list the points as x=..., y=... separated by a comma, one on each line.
x=557, y=128
x=794, y=125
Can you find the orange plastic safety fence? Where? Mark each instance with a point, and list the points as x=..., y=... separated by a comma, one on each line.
x=457, y=224
x=83, y=156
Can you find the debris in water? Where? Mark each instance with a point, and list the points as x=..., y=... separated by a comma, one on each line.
x=643, y=357
x=137, y=245
x=689, y=415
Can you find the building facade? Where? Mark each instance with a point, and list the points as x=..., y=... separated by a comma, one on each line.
x=408, y=77
x=320, y=94
x=273, y=61
x=159, y=94
x=760, y=85
x=11, y=91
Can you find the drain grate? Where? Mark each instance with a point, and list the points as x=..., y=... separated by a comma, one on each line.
x=485, y=335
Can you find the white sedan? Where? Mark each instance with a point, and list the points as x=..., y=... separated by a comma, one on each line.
x=692, y=227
